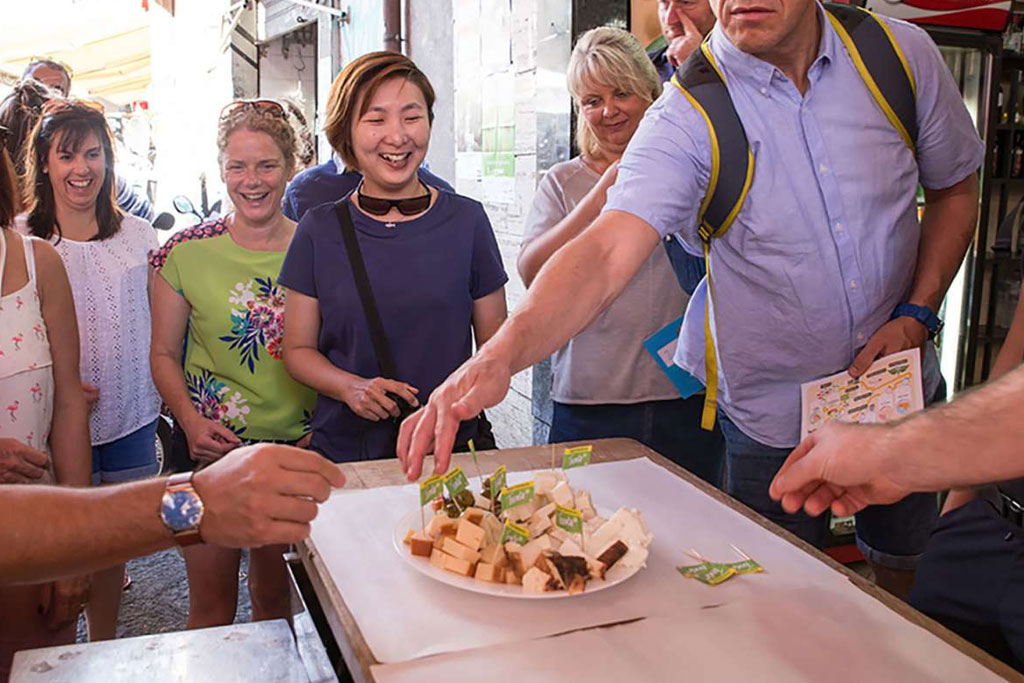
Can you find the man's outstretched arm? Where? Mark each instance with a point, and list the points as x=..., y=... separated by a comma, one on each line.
x=575, y=284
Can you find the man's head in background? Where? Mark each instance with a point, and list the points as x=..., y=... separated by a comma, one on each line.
x=673, y=13
x=51, y=73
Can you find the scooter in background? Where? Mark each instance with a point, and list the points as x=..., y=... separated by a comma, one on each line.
x=205, y=212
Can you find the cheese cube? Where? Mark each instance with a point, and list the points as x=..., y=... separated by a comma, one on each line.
x=408, y=537
x=492, y=529
x=543, y=512
x=488, y=572
x=514, y=552
x=458, y=565
x=585, y=505
x=543, y=482
x=534, y=548
x=456, y=549
x=511, y=578
x=562, y=494
x=437, y=558
x=474, y=515
x=535, y=581
x=538, y=525
x=494, y=554
x=469, y=534
x=421, y=545
x=440, y=524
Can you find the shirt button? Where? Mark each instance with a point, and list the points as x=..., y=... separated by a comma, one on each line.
x=839, y=227
x=853, y=284
x=860, y=336
x=764, y=91
x=823, y=169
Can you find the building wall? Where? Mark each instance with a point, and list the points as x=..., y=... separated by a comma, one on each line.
x=189, y=88
x=429, y=33
x=510, y=60
x=288, y=69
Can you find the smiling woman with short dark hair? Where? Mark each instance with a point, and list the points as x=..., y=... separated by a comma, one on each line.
x=432, y=264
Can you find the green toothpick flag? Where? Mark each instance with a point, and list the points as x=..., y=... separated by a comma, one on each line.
x=576, y=457
x=431, y=489
x=517, y=495
x=568, y=520
x=513, y=532
x=456, y=482
x=498, y=481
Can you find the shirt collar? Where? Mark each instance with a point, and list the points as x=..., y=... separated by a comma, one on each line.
x=759, y=73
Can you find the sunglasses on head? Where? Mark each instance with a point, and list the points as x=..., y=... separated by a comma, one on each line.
x=377, y=206
x=262, y=106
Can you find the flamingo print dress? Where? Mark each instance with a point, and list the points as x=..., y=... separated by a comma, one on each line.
x=26, y=372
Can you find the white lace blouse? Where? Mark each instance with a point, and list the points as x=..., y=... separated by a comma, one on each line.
x=109, y=281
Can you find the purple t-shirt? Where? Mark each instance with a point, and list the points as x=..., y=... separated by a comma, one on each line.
x=425, y=275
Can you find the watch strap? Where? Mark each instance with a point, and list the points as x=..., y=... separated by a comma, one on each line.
x=921, y=314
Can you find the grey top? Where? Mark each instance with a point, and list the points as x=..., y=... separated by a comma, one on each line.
x=607, y=362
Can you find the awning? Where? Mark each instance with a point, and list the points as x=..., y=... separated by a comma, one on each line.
x=105, y=42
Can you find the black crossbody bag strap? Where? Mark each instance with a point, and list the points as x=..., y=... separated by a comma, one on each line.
x=355, y=259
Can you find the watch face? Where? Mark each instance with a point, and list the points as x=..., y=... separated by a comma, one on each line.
x=181, y=510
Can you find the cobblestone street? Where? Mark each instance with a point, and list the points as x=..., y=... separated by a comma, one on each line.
x=157, y=601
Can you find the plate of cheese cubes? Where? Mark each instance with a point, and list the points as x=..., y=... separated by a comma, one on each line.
x=462, y=543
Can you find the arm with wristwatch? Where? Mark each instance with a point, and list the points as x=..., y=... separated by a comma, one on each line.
x=254, y=496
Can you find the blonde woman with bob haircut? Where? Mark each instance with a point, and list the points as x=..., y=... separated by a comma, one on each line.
x=604, y=383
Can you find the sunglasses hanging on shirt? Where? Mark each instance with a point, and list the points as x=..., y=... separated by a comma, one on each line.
x=409, y=206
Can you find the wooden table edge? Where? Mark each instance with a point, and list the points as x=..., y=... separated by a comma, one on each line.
x=371, y=474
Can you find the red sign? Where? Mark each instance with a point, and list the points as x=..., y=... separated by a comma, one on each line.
x=987, y=15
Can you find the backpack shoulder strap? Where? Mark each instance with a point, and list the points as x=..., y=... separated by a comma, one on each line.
x=881, y=64
x=703, y=84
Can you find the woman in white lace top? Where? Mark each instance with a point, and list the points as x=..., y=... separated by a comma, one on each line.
x=70, y=168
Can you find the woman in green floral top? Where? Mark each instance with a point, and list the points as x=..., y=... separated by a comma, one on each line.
x=217, y=295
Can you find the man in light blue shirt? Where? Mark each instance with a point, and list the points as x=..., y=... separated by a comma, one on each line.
x=806, y=279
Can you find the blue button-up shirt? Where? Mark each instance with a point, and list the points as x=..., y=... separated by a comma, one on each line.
x=826, y=243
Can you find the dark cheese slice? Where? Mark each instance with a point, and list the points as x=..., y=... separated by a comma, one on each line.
x=613, y=554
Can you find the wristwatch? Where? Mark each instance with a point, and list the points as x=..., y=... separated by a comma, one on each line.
x=921, y=314
x=182, y=509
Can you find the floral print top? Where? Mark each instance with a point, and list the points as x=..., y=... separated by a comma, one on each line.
x=233, y=367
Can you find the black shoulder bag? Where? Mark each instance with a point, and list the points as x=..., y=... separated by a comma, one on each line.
x=484, y=439
x=380, y=340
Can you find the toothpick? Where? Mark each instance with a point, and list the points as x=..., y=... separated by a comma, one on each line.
x=693, y=553
x=472, y=452
x=423, y=521
x=740, y=552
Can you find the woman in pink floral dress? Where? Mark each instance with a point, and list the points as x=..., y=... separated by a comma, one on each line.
x=216, y=291
x=38, y=379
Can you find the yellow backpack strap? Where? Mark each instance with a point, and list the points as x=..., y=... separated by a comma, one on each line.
x=881, y=64
x=703, y=84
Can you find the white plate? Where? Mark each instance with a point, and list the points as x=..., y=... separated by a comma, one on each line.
x=613, y=576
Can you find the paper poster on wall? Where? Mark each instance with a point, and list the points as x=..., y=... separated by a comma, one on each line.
x=498, y=139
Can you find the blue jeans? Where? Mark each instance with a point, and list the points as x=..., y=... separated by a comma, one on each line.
x=892, y=536
x=672, y=428
x=126, y=459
